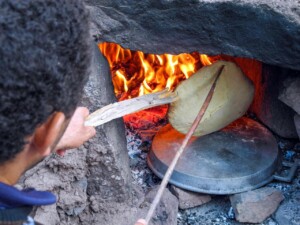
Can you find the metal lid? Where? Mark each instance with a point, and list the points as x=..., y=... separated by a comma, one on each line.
x=240, y=157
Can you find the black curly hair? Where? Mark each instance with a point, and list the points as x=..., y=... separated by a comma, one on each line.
x=44, y=61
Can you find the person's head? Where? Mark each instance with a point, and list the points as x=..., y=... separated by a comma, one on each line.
x=44, y=60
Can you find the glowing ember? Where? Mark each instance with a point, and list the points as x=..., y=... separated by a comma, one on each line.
x=135, y=73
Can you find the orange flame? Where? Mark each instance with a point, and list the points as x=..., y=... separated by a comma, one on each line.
x=135, y=73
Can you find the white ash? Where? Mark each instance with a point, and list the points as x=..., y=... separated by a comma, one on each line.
x=133, y=144
x=140, y=130
x=137, y=151
x=230, y=213
x=214, y=212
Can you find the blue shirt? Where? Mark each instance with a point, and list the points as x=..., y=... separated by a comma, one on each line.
x=11, y=197
x=16, y=205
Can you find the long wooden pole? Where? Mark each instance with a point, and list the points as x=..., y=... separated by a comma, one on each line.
x=182, y=147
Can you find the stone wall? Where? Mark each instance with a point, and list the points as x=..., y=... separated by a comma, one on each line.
x=108, y=163
x=267, y=30
x=269, y=109
x=97, y=175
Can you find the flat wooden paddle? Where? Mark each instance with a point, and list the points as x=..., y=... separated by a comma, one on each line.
x=119, y=109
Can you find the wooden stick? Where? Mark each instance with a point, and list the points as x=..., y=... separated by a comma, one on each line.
x=182, y=147
x=119, y=109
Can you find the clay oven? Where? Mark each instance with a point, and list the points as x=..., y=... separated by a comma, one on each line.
x=266, y=33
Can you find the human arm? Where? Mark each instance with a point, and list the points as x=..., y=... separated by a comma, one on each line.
x=140, y=222
x=76, y=133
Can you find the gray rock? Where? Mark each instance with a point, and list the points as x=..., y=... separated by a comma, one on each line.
x=272, y=112
x=289, y=211
x=297, y=124
x=47, y=215
x=255, y=206
x=43, y=180
x=73, y=199
x=290, y=94
x=107, y=152
x=166, y=212
x=267, y=30
x=188, y=199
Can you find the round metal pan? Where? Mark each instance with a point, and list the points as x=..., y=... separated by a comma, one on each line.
x=240, y=157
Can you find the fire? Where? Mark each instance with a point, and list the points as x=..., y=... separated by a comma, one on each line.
x=135, y=73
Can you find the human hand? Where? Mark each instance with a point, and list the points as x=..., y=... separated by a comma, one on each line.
x=76, y=133
x=141, y=222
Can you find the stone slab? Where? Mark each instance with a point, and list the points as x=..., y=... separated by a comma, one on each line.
x=272, y=112
x=188, y=199
x=290, y=94
x=255, y=206
x=267, y=30
x=166, y=211
x=107, y=158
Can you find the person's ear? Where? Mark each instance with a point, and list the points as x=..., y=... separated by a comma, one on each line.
x=47, y=135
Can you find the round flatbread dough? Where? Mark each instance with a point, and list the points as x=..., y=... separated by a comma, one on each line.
x=232, y=96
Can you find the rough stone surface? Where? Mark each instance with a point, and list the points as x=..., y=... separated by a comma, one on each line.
x=112, y=213
x=66, y=178
x=166, y=212
x=188, y=199
x=272, y=112
x=267, y=30
x=107, y=159
x=290, y=94
x=47, y=215
x=96, y=175
x=297, y=124
x=255, y=206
